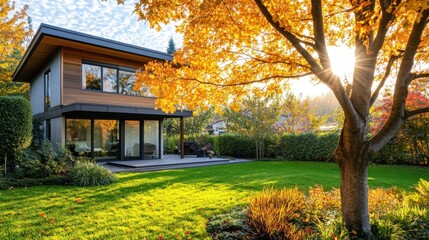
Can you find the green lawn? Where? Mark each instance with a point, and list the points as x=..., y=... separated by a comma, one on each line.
x=174, y=204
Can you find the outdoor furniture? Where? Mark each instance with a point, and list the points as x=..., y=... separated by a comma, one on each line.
x=81, y=147
x=149, y=149
x=190, y=148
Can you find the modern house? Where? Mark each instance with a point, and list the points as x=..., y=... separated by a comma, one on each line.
x=82, y=89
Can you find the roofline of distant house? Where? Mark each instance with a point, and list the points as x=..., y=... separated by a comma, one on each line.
x=49, y=30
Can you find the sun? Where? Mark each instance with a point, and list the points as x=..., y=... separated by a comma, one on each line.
x=342, y=61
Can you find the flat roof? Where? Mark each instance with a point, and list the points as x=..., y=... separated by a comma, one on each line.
x=49, y=38
x=100, y=110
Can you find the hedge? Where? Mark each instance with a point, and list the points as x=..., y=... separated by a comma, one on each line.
x=234, y=146
x=15, y=125
x=302, y=147
x=309, y=147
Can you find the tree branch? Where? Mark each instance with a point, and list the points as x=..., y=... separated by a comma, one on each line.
x=383, y=80
x=327, y=77
x=247, y=82
x=270, y=62
x=398, y=113
x=409, y=114
x=420, y=75
x=386, y=19
x=319, y=33
x=290, y=37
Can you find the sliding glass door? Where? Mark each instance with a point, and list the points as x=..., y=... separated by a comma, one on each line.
x=106, y=139
x=113, y=139
x=132, y=139
x=151, y=139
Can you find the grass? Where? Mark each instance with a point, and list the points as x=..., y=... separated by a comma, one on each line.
x=168, y=204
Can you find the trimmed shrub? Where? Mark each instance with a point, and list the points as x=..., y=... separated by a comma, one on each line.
x=15, y=127
x=90, y=174
x=234, y=146
x=309, y=147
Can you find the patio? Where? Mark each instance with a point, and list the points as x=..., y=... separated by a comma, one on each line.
x=167, y=162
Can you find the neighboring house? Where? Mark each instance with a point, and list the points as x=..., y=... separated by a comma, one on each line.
x=82, y=89
x=217, y=127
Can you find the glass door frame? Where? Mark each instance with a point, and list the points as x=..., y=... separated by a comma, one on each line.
x=122, y=139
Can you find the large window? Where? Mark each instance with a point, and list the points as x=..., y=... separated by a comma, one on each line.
x=78, y=136
x=47, y=89
x=110, y=80
x=91, y=77
x=106, y=78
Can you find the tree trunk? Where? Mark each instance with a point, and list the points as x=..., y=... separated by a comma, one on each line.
x=352, y=156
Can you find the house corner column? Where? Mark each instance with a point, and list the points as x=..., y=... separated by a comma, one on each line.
x=182, y=145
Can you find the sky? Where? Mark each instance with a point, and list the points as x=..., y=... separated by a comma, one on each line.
x=105, y=19
x=108, y=20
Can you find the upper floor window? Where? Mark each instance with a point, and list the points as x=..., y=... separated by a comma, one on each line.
x=47, y=89
x=111, y=79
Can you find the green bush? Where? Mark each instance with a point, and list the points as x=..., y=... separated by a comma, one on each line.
x=43, y=160
x=15, y=126
x=90, y=174
x=230, y=225
x=394, y=152
x=234, y=146
x=309, y=147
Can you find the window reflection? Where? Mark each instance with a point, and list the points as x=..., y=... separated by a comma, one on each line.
x=151, y=138
x=110, y=79
x=106, y=139
x=78, y=136
x=132, y=139
x=91, y=77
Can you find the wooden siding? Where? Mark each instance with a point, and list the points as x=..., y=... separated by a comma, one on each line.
x=72, y=81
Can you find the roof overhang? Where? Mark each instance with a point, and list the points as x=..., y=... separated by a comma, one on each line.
x=49, y=38
x=94, y=110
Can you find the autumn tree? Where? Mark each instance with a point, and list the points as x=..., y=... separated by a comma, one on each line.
x=300, y=116
x=414, y=134
x=194, y=126
x=230, y=45
x=255, y=119
x=15, y=29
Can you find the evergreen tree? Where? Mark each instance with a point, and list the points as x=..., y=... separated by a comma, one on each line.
x=171, y=46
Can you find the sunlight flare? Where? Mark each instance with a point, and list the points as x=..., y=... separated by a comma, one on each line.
x=342, y=61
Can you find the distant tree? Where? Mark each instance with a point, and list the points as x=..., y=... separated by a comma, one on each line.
x=194, y=126
x=15, y=29
x=324, y=104
x=171, y=46
x=300, y=116
x=255, y=119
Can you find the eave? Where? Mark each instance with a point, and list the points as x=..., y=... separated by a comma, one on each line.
x=49, y=38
